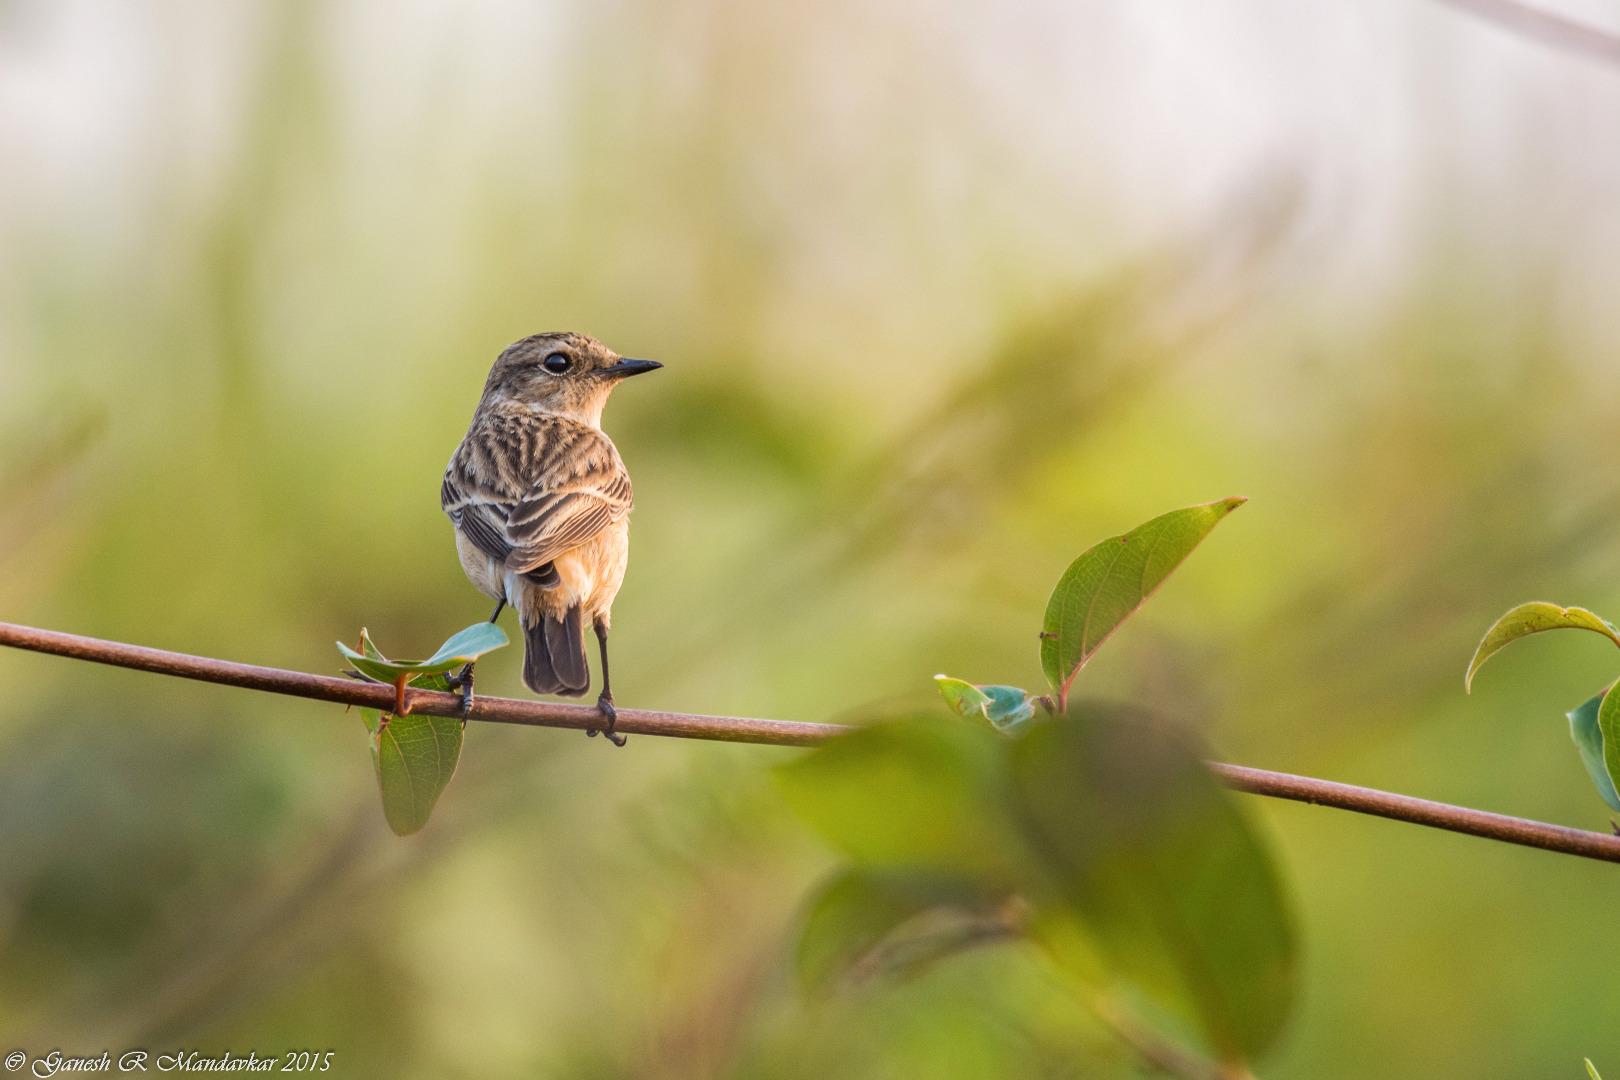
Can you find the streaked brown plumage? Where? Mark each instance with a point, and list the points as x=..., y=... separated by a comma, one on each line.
x=540, y=500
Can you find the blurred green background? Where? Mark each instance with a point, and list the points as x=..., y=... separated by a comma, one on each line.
x=944, y=296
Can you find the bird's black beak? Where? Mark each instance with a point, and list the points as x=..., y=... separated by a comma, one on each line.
x=626, y=368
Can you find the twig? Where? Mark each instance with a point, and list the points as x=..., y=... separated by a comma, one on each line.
x=1415, y=811
x=1361, y=800
x=1546, y=27
x=433, y=703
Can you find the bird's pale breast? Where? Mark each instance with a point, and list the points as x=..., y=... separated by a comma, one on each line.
x=592, y=573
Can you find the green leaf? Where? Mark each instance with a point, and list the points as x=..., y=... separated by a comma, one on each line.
x=857, y=924
x=465, y=645
x=462, y=648
x=1010, y=708
x=1606, y=768
x=1585, y=730
x=1594, y=747
x=1591, y=1070
x=1105, y=586
x=964, y=698
x=1007, y=708
x=1534, y=618
x=910, y=794
x=1156, y=883
x=413, y=756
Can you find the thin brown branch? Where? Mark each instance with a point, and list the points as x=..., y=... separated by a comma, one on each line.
x=1546, y=28
x=377, y=696
x=1415, y=811
x=1360, y=800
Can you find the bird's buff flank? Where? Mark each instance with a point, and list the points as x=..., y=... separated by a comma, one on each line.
x=541, y=505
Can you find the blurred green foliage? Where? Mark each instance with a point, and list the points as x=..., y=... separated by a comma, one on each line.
x=1100, y=836
x=913, y=364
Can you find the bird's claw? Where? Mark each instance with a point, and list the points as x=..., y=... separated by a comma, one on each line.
x=604, y=705
x=462, y=681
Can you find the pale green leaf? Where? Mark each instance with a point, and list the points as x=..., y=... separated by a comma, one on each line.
x=461, y=649
x=466, y=645
x=1006, y=708
x=964, y=698
x=1105, y=586
x=1534, y=618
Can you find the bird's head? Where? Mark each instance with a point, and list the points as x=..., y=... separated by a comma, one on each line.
x=566, y=374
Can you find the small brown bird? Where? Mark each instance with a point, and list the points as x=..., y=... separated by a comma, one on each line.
x=541, y=504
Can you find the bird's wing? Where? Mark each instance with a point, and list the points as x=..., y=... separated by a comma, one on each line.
x=526, y=488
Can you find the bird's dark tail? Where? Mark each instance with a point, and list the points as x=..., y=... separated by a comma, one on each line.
x=554, y=656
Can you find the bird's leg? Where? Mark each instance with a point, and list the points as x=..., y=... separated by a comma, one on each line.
x=463, y=679
x=604, y=703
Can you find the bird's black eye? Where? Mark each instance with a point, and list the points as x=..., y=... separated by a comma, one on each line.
x=557, y=363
